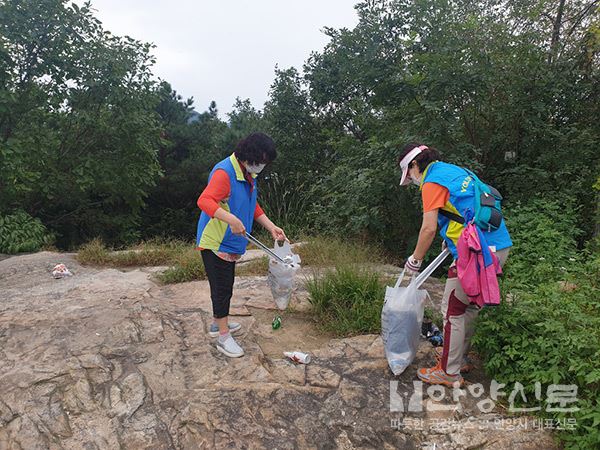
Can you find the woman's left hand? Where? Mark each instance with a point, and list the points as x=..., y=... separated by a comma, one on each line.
x=278, y=234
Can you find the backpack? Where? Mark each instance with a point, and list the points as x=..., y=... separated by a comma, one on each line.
x=488, y=206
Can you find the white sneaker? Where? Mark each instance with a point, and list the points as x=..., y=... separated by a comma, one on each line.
x=213, y=330
x=229, y=347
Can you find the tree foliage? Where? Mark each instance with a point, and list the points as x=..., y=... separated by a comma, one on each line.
x=190, y=145
x=484, y=82
x=78, y=139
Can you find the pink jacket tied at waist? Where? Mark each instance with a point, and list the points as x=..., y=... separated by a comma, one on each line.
x=477, y=268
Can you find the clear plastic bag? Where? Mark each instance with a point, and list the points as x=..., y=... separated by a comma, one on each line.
x=281, y=276
x=401, y=319
x=402, y=315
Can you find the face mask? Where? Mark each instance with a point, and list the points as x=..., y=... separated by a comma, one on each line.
x=255, y=168
x=416, y=181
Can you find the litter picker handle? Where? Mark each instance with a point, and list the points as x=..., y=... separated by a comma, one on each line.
x=420, y=279
x=264, y=248
x=431, y=267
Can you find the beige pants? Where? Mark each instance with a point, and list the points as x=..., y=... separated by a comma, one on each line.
x=459, y=318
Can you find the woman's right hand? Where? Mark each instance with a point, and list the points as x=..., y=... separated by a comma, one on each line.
x=237, y=227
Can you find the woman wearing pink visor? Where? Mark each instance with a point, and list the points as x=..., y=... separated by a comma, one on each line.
x=447, y=193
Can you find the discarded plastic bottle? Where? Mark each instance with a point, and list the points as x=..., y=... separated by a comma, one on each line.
x=276, y=322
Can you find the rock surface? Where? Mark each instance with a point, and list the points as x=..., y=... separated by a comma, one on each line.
x=107, y=359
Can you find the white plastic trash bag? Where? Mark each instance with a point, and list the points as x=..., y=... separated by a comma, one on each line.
x=281, y=276
x=402, y=315
x=401, y=319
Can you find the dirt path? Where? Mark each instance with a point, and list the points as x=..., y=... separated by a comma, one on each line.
x=109, y=359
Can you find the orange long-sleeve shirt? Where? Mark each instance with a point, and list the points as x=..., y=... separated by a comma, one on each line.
x=219, y=189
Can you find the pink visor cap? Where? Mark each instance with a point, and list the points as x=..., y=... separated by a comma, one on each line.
x=407, y=160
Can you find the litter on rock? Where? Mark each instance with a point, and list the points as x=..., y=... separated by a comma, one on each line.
x=299, y=357
x=61, y=271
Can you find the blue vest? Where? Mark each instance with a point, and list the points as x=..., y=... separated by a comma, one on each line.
x=214, y=234
x=462, y=197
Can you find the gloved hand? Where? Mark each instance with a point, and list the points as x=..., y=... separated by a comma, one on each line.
x=412, y=265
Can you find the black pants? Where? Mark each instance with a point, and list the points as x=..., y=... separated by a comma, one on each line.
x=220, y=276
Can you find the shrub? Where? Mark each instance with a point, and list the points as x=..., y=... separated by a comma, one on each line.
x=550, y=335
x=19, y=232
x=544, y=234
x=548, y=329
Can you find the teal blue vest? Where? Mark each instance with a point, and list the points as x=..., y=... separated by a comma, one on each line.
x=462, y=197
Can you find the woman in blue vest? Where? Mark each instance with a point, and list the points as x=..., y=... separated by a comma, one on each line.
x=229, y=208
x=447, y=191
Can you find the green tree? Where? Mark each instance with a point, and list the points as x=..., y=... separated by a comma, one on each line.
x=78, y=132
x=488, y=85
x=293, y=124
x=190, y=146
x=243, y=120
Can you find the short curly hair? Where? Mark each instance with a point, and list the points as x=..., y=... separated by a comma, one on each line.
x=256, y=148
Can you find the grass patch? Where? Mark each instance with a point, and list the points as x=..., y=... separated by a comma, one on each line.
x=333, y=252
x=151, y=253
x=188, y=266
x=94, y=252
x=185, y=261
x=347, y=300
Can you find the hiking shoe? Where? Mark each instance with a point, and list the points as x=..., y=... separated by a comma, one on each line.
x=229, y=347
x=467, y=364
x=436, y=375
x=213, y=331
